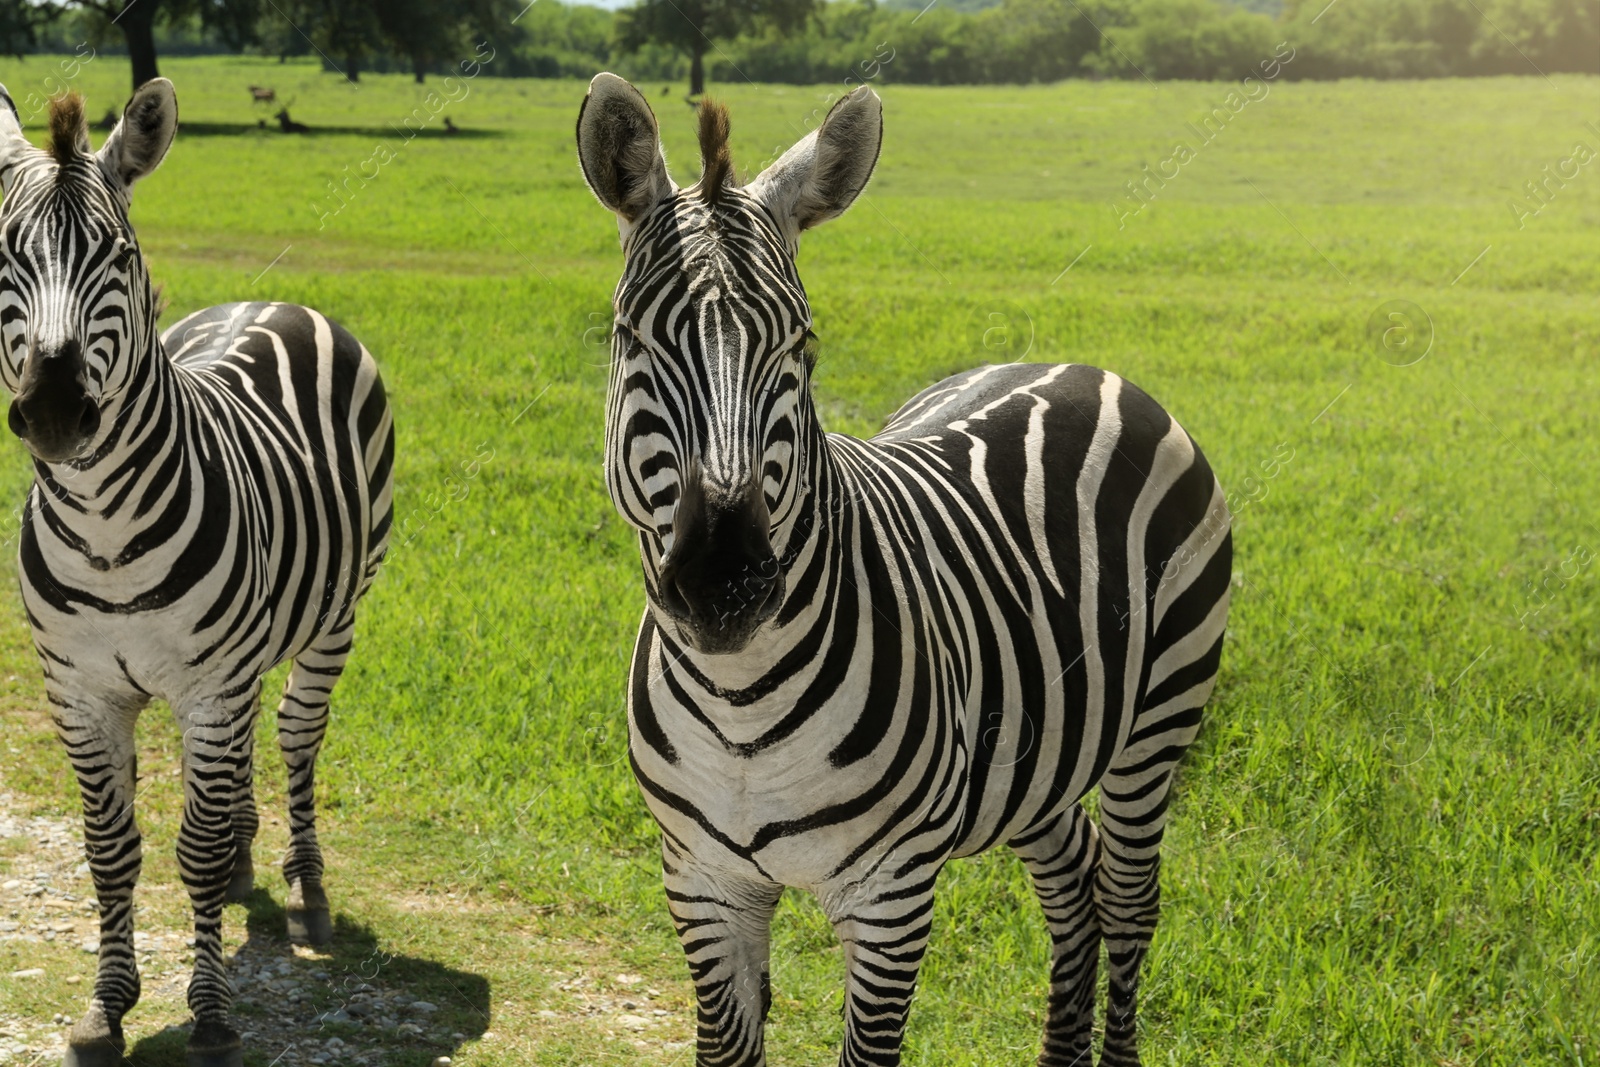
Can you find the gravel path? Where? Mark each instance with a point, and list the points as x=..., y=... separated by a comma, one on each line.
x=291, y=1007
x=42, y=899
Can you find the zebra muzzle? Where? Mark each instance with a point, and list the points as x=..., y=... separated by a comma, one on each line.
x=721, y=581
x=53, y=412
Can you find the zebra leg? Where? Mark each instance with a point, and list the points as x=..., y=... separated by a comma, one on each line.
x=302, y=722
x=725, y=925
x=1061, y=855
x=217, y=746
x=884, y=940
x=246, y=820
x=1133, y=817
x=100, y=744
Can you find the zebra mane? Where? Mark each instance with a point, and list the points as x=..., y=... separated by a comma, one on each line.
x=67, y=136
x=716, y=159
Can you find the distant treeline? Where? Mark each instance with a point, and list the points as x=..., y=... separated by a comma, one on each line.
x=1023, y=41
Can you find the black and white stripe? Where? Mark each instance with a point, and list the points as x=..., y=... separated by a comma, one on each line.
x=863, y=658
x=212, y=505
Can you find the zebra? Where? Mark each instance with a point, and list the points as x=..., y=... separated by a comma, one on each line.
x=204, y=507
x=861, y=658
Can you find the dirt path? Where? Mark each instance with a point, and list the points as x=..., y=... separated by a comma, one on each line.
x=43, y=905
x=425, y=968
x=295, y=1006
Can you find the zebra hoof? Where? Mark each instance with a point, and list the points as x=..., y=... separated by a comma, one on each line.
x=243, y=882
x=214, y=1044
x=310, y=927
x=235, y=1058
x=98, y=1054
x=94, y=1041
x=309, y=920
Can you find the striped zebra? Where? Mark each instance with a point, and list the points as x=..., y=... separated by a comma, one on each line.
x=204, y=507
x=859, y=658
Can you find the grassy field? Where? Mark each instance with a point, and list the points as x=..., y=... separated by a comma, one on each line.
x=1385, y=846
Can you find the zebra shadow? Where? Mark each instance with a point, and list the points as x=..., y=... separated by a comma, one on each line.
x=350, y=1000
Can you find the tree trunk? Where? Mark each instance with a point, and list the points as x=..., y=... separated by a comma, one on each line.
x=138, y=26
x=352, y=66
x=419, y=67
x=697, y=73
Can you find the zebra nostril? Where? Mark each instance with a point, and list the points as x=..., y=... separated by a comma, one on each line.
x=672, y=598
x=692, y=595
x=89, y=421
x=749, y=593
x=17, y=420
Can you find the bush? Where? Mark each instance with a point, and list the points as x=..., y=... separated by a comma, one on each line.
x=1023, y=41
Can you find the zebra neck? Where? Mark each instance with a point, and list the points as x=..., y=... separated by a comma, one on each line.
x=140, y=475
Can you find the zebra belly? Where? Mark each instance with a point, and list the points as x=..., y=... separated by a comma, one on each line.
x=226, y=630
x=727, y=824
x=1010, y=683
x=129, y=658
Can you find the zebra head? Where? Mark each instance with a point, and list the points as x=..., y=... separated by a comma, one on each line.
x=711, y=439
x=75, y=299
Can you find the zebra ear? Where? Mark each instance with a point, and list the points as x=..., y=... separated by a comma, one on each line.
x=619, y=147
x=140, y=142
x=10, y=120
x=822, y=175
x=12, y=141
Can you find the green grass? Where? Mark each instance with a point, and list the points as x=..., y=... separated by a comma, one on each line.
x=1384, y=851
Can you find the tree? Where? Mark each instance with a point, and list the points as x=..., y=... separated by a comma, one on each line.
x=408, y=27
x=426, y=34
x=431, y=33
x=137, y=21
x=345, y=29
x=20, y=23
x=691, y=26
x=1197, y=40
x=233, y=21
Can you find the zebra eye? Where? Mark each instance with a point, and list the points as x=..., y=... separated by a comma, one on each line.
x=626, y=330
x=808, y=351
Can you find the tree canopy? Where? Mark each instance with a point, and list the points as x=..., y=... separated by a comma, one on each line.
x=425, y=34
x=692, y=26
x=807, y=42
